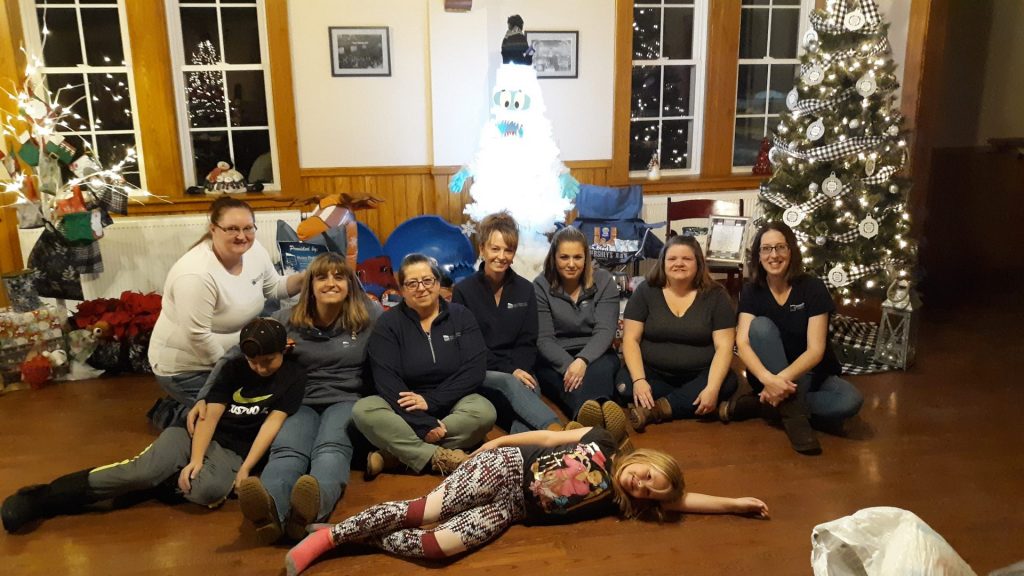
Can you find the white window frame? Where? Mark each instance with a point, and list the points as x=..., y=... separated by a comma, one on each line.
x=180, y=68
x=699, y=63
x=34, y=46
x=805, y=8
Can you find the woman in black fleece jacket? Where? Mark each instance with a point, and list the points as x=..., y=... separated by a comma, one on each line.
x=428, y=359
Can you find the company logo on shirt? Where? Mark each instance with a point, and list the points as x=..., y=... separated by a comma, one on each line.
x=797, y=307
x=451, y=337
x=237, y=397
x=514, y=305
x=247, y=410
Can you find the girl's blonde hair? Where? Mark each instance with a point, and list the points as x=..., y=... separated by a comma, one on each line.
x=660, y=461
x=501, y=222
x=354, y=315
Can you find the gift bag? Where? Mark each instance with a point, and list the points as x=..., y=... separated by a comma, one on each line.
x=21, y=291
x=882, y=541
x=54, y=260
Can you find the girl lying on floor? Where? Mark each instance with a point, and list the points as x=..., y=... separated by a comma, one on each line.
x=538, y=477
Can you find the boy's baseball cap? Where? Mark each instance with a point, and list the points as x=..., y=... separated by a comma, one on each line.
x=263, y=336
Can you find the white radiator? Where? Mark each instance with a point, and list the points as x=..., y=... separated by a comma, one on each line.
x=138, y=251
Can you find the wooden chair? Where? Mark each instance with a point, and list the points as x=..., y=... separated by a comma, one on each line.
x=692, y=209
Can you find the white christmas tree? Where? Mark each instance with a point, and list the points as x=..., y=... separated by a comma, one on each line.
x=839, y=152
x=517, y=166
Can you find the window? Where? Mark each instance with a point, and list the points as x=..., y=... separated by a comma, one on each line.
x=223, y=84
x=768, y=64
x=667, y=86
x=85, y=51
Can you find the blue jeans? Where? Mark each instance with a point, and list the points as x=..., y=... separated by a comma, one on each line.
x=315, y=440
x=680, y=391
x=828, y=396
x=598, y=383
x=519, y=408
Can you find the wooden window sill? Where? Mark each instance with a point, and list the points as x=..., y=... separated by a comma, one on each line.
x=697, y=183
x=152, y=206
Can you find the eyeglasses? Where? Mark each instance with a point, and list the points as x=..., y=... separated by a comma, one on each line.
x=427, y=283
x=234, y=230
x=780, y=249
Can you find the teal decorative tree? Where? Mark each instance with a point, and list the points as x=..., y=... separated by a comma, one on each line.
x=838, y=153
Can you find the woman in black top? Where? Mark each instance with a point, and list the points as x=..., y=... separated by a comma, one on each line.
x=538, y=477
x=782, y=337
x=679, y=331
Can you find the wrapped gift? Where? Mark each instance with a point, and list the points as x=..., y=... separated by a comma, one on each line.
x=21, y=290
x=22, y=333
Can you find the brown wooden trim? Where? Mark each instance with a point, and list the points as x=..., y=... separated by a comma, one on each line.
x=12, y=69
x=723, y=53
x=619, y=171
x=286, y=134
x=194, y=204
x=444, y=170
x=367, y=171
x=154, y=89
x=699, y=184
x=588, y=164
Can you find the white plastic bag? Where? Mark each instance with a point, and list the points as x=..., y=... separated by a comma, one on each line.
x=883, y=541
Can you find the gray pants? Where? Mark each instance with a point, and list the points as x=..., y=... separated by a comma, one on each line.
x=468, y=424
x=163, y=459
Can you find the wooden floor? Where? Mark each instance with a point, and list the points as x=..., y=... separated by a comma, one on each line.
x=943, y=440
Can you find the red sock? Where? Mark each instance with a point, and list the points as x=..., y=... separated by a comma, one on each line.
x=304, y=553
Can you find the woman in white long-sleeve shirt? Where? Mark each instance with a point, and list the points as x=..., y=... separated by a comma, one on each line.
x=218, y=286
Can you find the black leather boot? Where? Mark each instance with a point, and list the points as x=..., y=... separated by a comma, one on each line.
x=64, y=495
x=797, y=424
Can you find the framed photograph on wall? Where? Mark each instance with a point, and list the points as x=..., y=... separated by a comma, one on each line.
x=555, y=54
x=360, y=51
x=726, y=239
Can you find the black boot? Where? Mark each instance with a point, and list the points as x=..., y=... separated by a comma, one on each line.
x=797, y=423
x=64, y=495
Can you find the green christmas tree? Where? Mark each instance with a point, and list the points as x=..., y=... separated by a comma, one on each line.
x=838, y=154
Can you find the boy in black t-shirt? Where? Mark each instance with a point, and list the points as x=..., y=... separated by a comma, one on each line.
x=247, y=405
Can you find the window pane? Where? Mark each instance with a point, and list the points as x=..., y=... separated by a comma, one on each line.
x=248, y=98
x=783, y=80
x=785, y=29
x=62, y=43
x=199, y=35
x=675, y=144
x=111, y=149
x=749, y=133
x=102, y=29
x=678, y=33
x=205, y=98
x=646, y=33
x=750, y=93
x=678, y=91
x=758, y=2
x=111, y=101
x=646, y=91
x=57, y=84
x=643, y=141
x=249, y=146
x=241, y=36
x=786, y=2
x=208, y=149
x=753, y=33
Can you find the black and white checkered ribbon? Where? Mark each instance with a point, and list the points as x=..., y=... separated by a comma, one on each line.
x=880, y=47
x=845, y=238
x=847, y=332
x=832, y=151
x=834, y=22
x=810, y=106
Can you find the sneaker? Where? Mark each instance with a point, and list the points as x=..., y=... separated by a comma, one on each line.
x=380, y=461
x=615, y=421
x=590, y=414
x=24, y=506
x=445, y=461
x=258, y=507
x=739, y=407
x=574, y=425
x=305, y=507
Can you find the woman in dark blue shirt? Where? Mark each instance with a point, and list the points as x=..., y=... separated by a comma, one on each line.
x=782, y=337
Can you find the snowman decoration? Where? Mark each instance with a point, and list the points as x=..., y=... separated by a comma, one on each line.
x=517, y=166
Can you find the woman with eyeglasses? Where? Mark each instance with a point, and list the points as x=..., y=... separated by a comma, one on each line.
x=679, y=328
x=782, y=337
x=218, y=286
x=428, y=360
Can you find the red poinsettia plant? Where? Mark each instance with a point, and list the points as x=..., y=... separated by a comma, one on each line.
x=131, y=317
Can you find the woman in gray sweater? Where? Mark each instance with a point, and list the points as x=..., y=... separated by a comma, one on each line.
x=578, y=311
x=311, y=457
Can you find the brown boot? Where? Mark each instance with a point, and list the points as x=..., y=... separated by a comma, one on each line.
x=740, y=407
x=555, y=427
x=380, y=461
x=797, y=424
x=615, y=421
x=258, y=508
x=305, y=507
x=590, y=414
x=445, y=461
x=574, y=425
x=640, y=417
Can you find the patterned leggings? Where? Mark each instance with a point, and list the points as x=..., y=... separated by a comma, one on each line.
x=482, y=498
